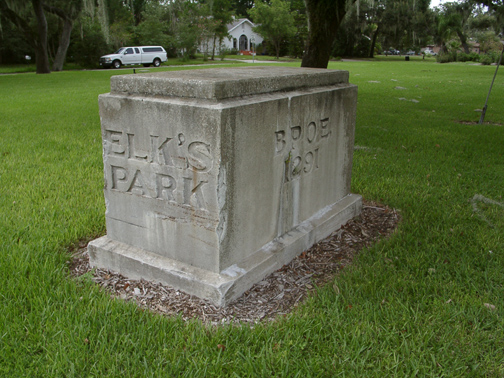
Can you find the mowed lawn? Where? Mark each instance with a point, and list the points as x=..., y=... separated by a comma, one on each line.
x=428, y=301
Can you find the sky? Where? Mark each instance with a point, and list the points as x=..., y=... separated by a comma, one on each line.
x=436, y=3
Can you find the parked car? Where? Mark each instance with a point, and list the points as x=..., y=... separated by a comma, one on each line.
x=429, y=52
x=411, y=52
x=145, y=55
x=393, y=52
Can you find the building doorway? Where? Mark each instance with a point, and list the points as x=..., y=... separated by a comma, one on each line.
x=243, y=43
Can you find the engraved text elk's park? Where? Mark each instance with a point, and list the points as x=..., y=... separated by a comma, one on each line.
x=171, y=169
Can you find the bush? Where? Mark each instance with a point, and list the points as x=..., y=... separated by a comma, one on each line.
x=447, y=57
x=13, y=47
x=171, y=52
x=363, y=47
x=475, y=57
x=378, y=48
x=223, y=52
x=489, y=58
x=86, y=49
x=472, y=57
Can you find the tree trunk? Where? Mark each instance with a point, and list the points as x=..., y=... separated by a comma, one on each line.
x=59, y=60
x=68, y=18
x=213, y=47
x=324, y=18
x=41, y=57
x=463, y=41
x=373, y=42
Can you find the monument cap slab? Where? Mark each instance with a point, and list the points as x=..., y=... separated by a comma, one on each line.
x=216, y=177
x=224, y=83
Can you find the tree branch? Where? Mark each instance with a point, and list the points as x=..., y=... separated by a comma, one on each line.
x=57, y=11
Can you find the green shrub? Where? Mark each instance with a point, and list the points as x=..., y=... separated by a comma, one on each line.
x=463, y=57
x=378, y=48
x=223, y=52
x=489, y=58
x=472, y=57
x=447, y=57
x=362, y=48
x=86, y=48
x=475, y=57
x=13, y=47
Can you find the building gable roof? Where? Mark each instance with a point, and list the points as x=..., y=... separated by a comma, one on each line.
x=237, y=23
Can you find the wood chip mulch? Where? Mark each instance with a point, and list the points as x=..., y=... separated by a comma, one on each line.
x=276, y=295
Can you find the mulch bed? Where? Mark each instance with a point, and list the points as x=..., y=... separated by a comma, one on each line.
x=276, y=295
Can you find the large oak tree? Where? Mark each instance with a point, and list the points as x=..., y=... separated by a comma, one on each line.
x=27, y=13
x=20, y=12
x=324, y=19
x=68, y=11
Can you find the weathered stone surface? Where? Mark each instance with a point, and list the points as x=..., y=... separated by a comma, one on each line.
x=219, y=84
x=214, y=178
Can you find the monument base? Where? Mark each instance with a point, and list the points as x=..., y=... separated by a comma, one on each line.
x=221, y=289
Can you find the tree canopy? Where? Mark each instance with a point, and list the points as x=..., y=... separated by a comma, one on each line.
x=315, y=30
x=275, y=22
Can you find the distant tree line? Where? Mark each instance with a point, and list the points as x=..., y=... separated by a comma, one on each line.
x=80, y=31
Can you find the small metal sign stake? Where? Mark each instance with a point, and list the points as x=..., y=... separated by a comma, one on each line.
x=482, y=118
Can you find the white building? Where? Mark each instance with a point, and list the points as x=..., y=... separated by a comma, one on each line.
x=241, y=37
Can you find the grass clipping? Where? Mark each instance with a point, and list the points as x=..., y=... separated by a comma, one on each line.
x=276, y=295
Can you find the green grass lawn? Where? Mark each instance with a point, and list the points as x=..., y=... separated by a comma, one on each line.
x=412, y=305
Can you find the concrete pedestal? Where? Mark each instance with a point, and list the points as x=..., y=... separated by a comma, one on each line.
x=215, y=178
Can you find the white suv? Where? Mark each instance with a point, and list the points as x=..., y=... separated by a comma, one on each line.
x=145, y=55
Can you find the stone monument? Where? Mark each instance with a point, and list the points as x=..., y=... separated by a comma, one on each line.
x=215, y=178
